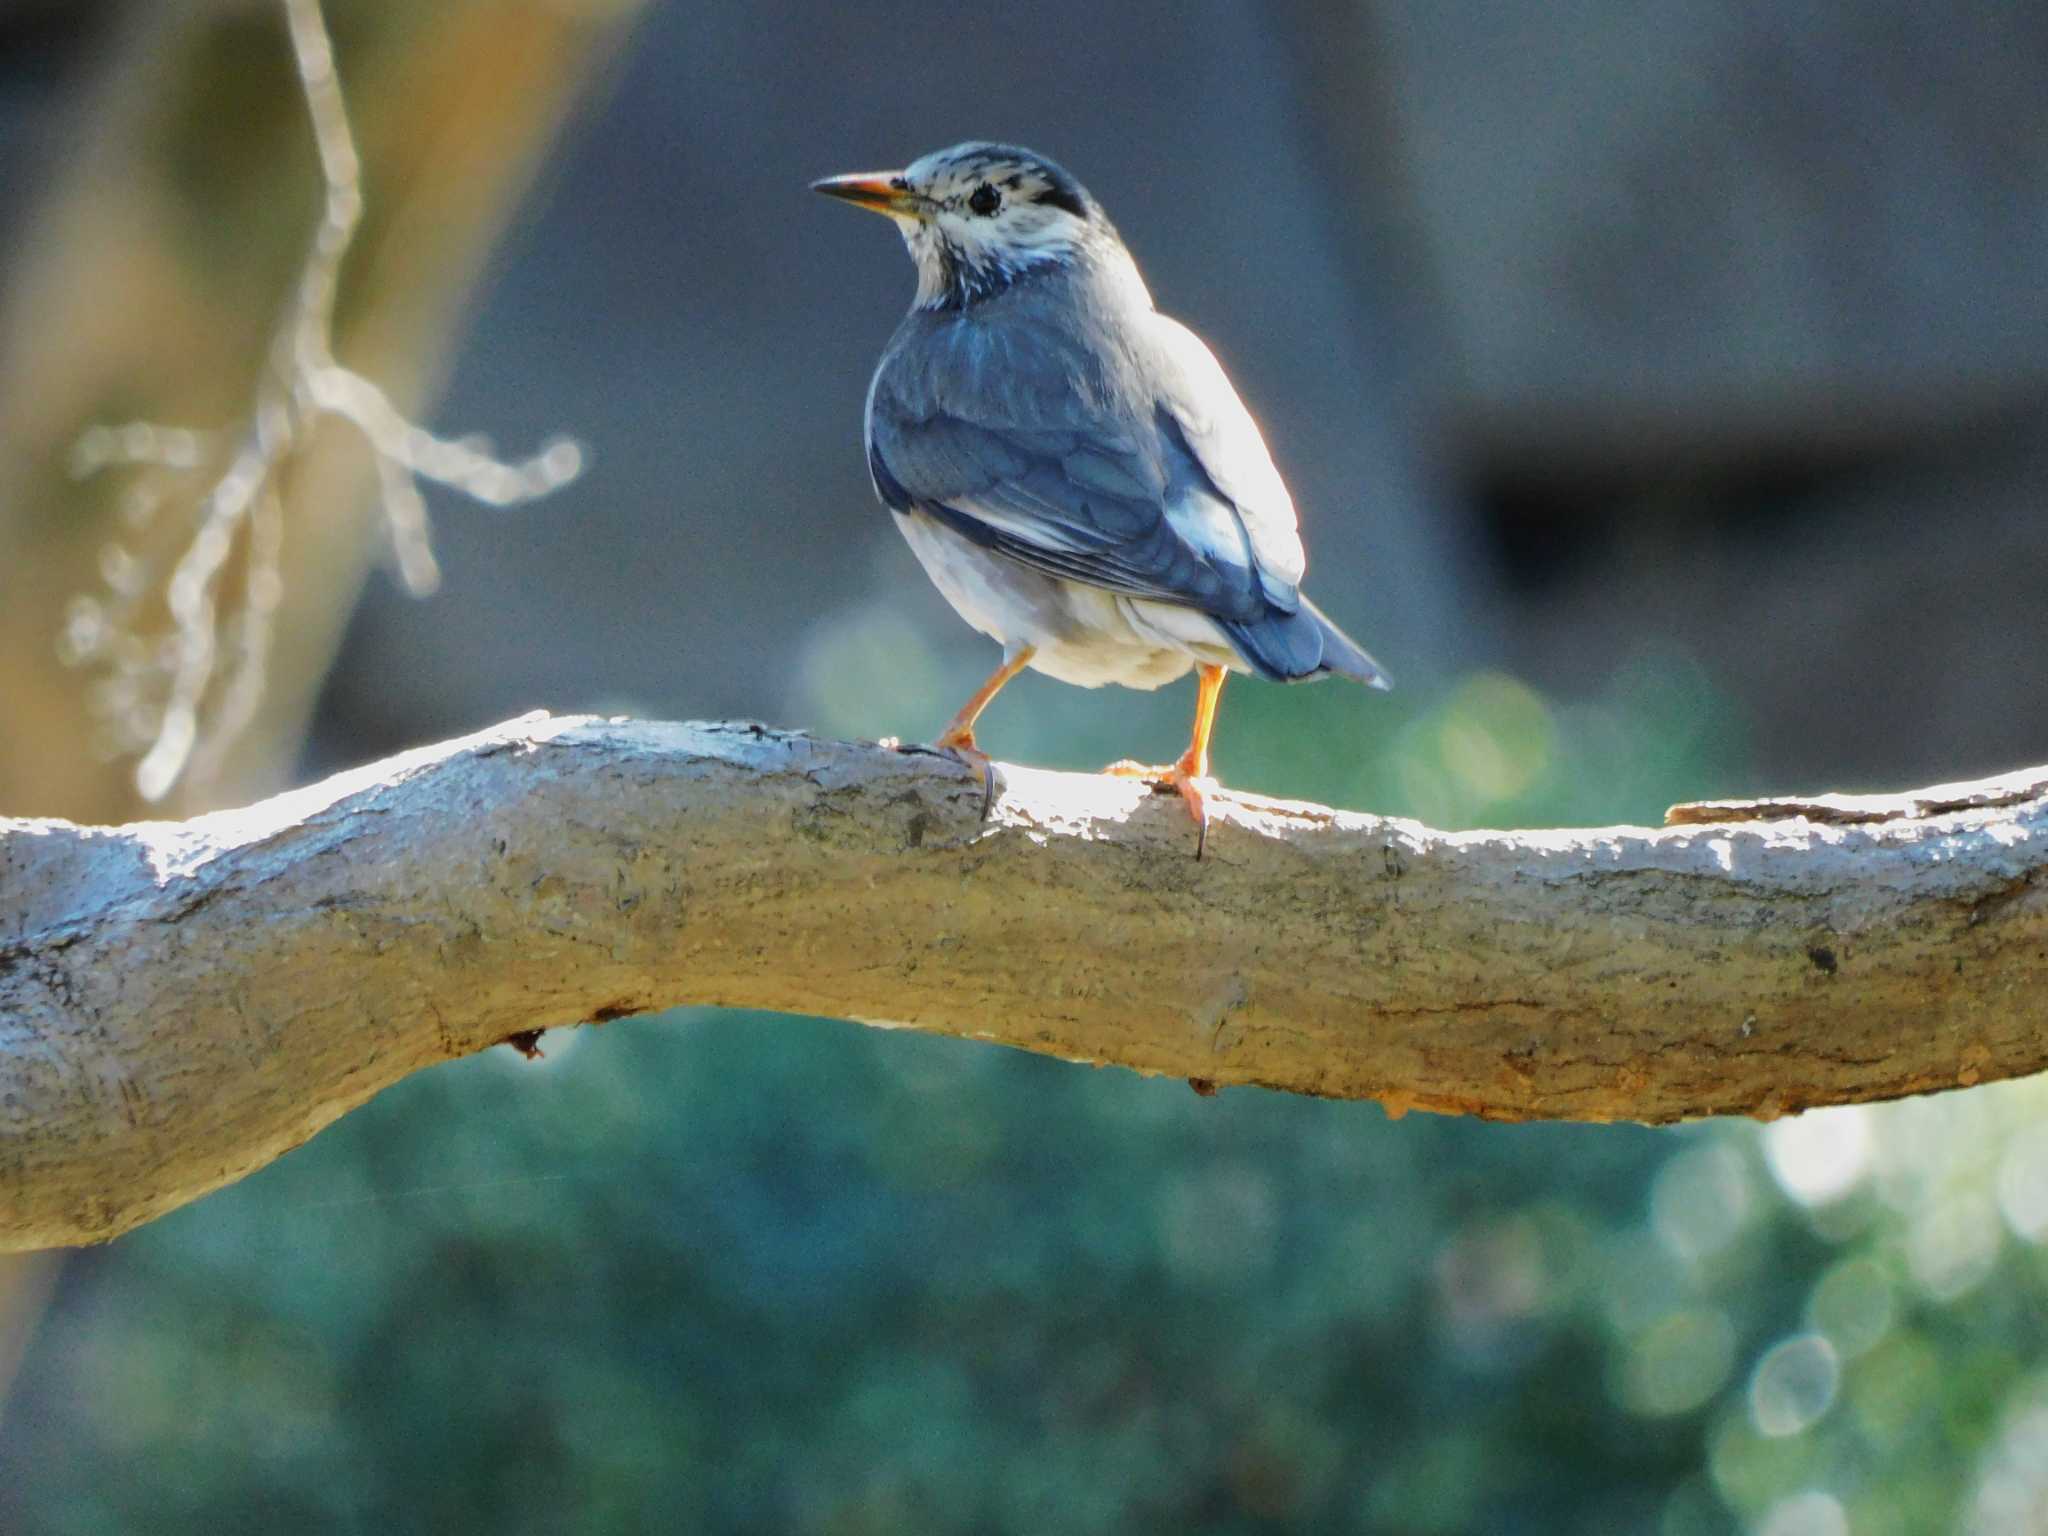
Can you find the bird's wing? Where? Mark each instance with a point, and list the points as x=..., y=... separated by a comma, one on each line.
x=1070, y=505
x=1067, y=484
x=1226, y=443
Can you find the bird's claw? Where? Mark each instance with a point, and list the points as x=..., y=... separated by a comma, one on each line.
x=962, y=750
x=1193, y=789
x=1194, y=793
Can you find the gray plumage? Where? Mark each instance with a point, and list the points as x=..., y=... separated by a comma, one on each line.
x=1074, y=469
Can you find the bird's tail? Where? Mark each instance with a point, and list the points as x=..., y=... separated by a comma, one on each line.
x=1344, y=655
x=1292, y=647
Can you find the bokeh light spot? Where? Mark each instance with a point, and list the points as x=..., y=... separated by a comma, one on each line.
x=1853, y=1305
x=1820, y=1156
x=1793, y=1385
x=1678, y=1364
x=864, y=665
x=1894, y=1387
x=2011, y=1493
x=1812, y=1513
x=2023, y=1183
x=1700, y=1201
x=1497, y=738
x=1953, y=1244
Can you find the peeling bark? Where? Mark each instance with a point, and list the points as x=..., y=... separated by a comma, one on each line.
x=180, y=1003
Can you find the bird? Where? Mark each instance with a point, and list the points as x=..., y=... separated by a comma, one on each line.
x=1072, y=468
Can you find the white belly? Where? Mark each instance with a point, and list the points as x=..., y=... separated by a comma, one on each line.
x=1080, y=634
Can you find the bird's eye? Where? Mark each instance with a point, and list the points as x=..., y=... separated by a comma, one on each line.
x=985, y=201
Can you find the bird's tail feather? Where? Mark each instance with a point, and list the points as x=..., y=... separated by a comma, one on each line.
x=1290, y=647
x=1344, y=655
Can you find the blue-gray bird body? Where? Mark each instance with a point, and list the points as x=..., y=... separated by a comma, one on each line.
x=1073, y=468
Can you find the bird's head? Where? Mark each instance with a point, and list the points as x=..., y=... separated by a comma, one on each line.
x=978, y=217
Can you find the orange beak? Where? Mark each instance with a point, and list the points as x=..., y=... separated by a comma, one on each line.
x=876, y=191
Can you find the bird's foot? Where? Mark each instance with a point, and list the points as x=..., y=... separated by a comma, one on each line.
x=958, y=744
x=1193, y=787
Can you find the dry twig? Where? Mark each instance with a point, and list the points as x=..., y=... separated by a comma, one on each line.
x=167, y=697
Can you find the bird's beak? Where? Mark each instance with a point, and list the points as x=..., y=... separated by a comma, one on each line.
x=876, y=191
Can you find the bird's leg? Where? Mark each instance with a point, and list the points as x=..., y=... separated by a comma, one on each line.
x=1189, y=776
x=957, y=739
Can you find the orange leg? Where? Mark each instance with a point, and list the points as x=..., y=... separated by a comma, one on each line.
x=1208, y=690
x=1190, y=776
x=957, y=739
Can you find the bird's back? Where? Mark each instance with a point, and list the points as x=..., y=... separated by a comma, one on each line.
x=1140, y=420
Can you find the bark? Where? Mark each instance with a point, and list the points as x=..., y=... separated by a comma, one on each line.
x=180, y=1003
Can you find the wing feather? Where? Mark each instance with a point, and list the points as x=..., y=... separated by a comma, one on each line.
x=1221, y=437
x=1092, y=445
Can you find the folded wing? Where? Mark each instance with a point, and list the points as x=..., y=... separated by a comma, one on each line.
x=1149, y=479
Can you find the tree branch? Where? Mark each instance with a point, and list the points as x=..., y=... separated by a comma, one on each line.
x=180, y=1003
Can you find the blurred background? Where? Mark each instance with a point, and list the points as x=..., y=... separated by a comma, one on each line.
x=1665, y=392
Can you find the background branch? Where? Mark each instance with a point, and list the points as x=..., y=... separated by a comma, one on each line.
x=201, y=257
x=181, y=1003
x=157, y=699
